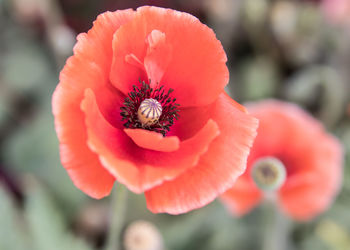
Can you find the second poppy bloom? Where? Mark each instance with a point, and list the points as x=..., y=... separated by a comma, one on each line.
x=292, y=158
x=142, y=102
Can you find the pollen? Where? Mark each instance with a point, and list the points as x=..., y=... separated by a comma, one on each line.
x=149, y=112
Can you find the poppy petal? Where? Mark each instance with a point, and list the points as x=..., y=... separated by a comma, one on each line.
x=159, y=54
x=194, y=47
x=83, y=166
x=314, y=189
x=87, y=68
x=192, y=119
x=152, y=140
x=118, y=152
x=216, y=170
x=95, y=47
x=305, y=201
x=243, y=197
x=133, y=60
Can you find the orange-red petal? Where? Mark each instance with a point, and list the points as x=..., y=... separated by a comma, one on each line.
x=196, y=71
x=153, y=140
x=242, y=198
x=140, y=169
x=314, y=189
x=158, y=57
x=88, y=68
x=83, y=166
x=193, y=118
x=216, y=170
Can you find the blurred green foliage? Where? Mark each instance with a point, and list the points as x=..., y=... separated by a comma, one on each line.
x=276, y=49
x=39, y=225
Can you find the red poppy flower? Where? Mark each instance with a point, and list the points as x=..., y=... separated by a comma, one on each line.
x=129, y=64
x=312, y=160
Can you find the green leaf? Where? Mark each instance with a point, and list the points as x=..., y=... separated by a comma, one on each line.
x=47, y=225
x=12, y=234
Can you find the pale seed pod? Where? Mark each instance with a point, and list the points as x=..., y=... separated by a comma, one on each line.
x=268, y=173
x=149, y=111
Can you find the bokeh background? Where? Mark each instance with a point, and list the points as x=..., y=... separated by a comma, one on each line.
x=293, y=50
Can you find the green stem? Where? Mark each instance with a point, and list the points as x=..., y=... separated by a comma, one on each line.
x=119, y=202
x=276, y=228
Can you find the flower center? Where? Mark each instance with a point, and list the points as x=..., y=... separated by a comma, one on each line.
x=269, y=173
x=151, y=109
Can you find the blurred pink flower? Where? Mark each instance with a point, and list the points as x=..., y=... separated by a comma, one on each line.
x=337, y=11
x=312, y=160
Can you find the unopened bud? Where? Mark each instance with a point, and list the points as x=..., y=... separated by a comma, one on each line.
x=142, y=235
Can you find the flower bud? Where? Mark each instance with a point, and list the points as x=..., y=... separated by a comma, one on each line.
x=142, y=235
x=268, y=173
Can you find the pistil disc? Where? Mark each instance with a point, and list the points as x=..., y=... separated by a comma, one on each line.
x=269, y=173
x=149, y=108
x=149, y=111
